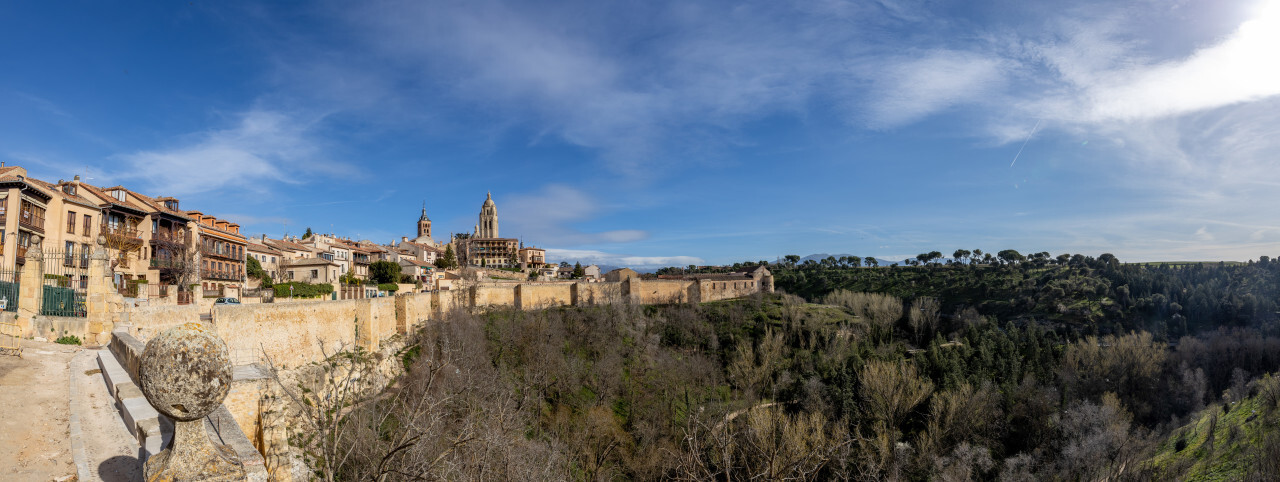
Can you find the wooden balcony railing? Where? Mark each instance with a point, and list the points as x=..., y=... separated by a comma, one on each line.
x=33, y=220
x=168, y=237
x=120, y=233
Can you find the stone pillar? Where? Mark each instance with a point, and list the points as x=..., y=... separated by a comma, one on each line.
x=31, y=287
x=185, y=373
x=102, y=316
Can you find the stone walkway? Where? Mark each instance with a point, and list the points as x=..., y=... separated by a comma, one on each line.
x=35, y=435
x=111, y=452
x=40, y=439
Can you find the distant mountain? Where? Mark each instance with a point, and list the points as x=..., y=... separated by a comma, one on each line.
x=820, y=257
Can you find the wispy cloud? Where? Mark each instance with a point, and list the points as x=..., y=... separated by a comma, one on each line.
x=549, y=216
x=262, y=149
x=915, y=87
x=613, y=259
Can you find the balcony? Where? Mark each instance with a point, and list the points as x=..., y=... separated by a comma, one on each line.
x=120, y=234
x=221, y=275
x=158, y=263
x=33, y=220
x=224, y=253
x=163, y=237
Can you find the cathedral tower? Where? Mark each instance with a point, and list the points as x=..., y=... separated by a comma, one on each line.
x=488, y=227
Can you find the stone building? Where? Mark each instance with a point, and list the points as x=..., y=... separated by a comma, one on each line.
x=147, y=239
x=312, y=270
x=531, y=257
x=621, y=274
x=484, y=247
x=222, y=253
x=268, y=257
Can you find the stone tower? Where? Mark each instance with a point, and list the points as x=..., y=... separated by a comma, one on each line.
x=488, y=227
x=424, y=223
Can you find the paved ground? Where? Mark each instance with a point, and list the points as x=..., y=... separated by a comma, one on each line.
x=111, y=451
x=35, y=438
x=35, y=423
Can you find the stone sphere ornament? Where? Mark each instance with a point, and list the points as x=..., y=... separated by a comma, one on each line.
x=185, y=373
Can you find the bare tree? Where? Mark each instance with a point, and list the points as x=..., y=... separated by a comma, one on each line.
x=924, y=316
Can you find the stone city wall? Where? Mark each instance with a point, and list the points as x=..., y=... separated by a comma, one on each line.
x=591, y=294
x=493, y=294
x=715, y=290
x=291, y=333
x=652, y=292
x=534, y=296
x=147, y=321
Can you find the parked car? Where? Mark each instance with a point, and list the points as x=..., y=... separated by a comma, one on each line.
x=226, y=301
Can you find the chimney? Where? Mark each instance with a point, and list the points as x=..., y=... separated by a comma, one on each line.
x=76, y=179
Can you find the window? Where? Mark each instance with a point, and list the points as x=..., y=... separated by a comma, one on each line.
x=315, y=273
x=69, y=189
x=71, y=222
x=87, y=229
x=173, y=205
x=84, y=256
x=155, y=225
x=118, y=194
x=69, y=258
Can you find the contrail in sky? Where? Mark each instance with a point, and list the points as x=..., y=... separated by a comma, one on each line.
x=1024, y=143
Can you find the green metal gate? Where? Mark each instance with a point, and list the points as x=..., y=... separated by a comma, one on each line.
x=66, y=281
x=9, y=289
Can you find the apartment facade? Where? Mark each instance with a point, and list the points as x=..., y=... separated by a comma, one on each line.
x=222, y=252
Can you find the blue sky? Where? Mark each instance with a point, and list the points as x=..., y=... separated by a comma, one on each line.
x=653, y=133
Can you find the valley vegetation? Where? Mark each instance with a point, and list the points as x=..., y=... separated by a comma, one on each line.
x=1034, y=368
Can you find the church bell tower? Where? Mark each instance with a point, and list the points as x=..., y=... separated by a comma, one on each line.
x=424, y=223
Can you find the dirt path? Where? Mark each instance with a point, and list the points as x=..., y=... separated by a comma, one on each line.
x=35, y=440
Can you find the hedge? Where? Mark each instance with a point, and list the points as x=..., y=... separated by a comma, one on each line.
x=388, y=286
x=302, y=290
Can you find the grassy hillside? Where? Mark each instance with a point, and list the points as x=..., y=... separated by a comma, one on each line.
x=1226, y=441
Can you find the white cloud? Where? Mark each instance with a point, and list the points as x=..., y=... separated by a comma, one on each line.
x=910, y=89
x=1240, y=68
x=548, y=217
x=263, y=148
x=624, y=260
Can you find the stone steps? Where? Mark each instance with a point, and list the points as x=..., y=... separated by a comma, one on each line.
x=152, y=430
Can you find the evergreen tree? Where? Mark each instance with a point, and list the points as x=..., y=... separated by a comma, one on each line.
x=307, y=234
x=448, y=261
x=578, y=272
